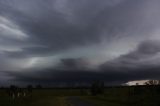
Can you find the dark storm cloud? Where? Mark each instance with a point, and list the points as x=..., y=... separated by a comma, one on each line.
x=59, y=28
x=60, y=25
x=136, y=65
x=68, y=71
x=70, y=39
x=74, y=64
x=77, y=76
x=142, y=63
x=87, y=76
x=147, y=51
x=49, y=27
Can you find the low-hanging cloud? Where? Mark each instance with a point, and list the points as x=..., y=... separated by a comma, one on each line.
x=140, y=64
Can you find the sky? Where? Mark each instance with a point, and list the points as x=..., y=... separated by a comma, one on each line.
x=79, y=41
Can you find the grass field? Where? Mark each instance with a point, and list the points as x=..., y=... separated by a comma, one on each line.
x=61, y=97
x=121, y=97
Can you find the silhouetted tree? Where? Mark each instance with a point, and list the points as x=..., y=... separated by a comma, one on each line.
x=13, y=91
x=97, y=88
x=155, y=85
x=152, y=82
x=29, y=88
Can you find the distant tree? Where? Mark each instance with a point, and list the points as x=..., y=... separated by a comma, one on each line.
x=101, y=87
x=152, y=82
x=94, y=88
x=13, y=91
x=30, y=88
x=13, y=88
x=97, y=88
x=155, y=86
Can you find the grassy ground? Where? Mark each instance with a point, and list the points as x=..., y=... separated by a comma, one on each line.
x=118, y=101
x=59, y=97
x=38, y=98
x=35, y=101
x=121, y=97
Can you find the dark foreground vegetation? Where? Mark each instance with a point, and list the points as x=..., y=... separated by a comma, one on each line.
x=97, y=95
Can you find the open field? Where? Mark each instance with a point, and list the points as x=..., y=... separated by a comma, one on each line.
x=125, y=96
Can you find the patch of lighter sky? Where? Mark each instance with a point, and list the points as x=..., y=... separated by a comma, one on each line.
x=139, y=82
x=41, y=62
x=155, y=35
x=11, y=30
x=94, y=54
x=10, y=49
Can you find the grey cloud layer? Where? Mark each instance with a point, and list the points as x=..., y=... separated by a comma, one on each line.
x=142, y=63
x=39, y=34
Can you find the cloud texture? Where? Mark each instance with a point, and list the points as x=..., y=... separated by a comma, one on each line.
x=79, y=40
